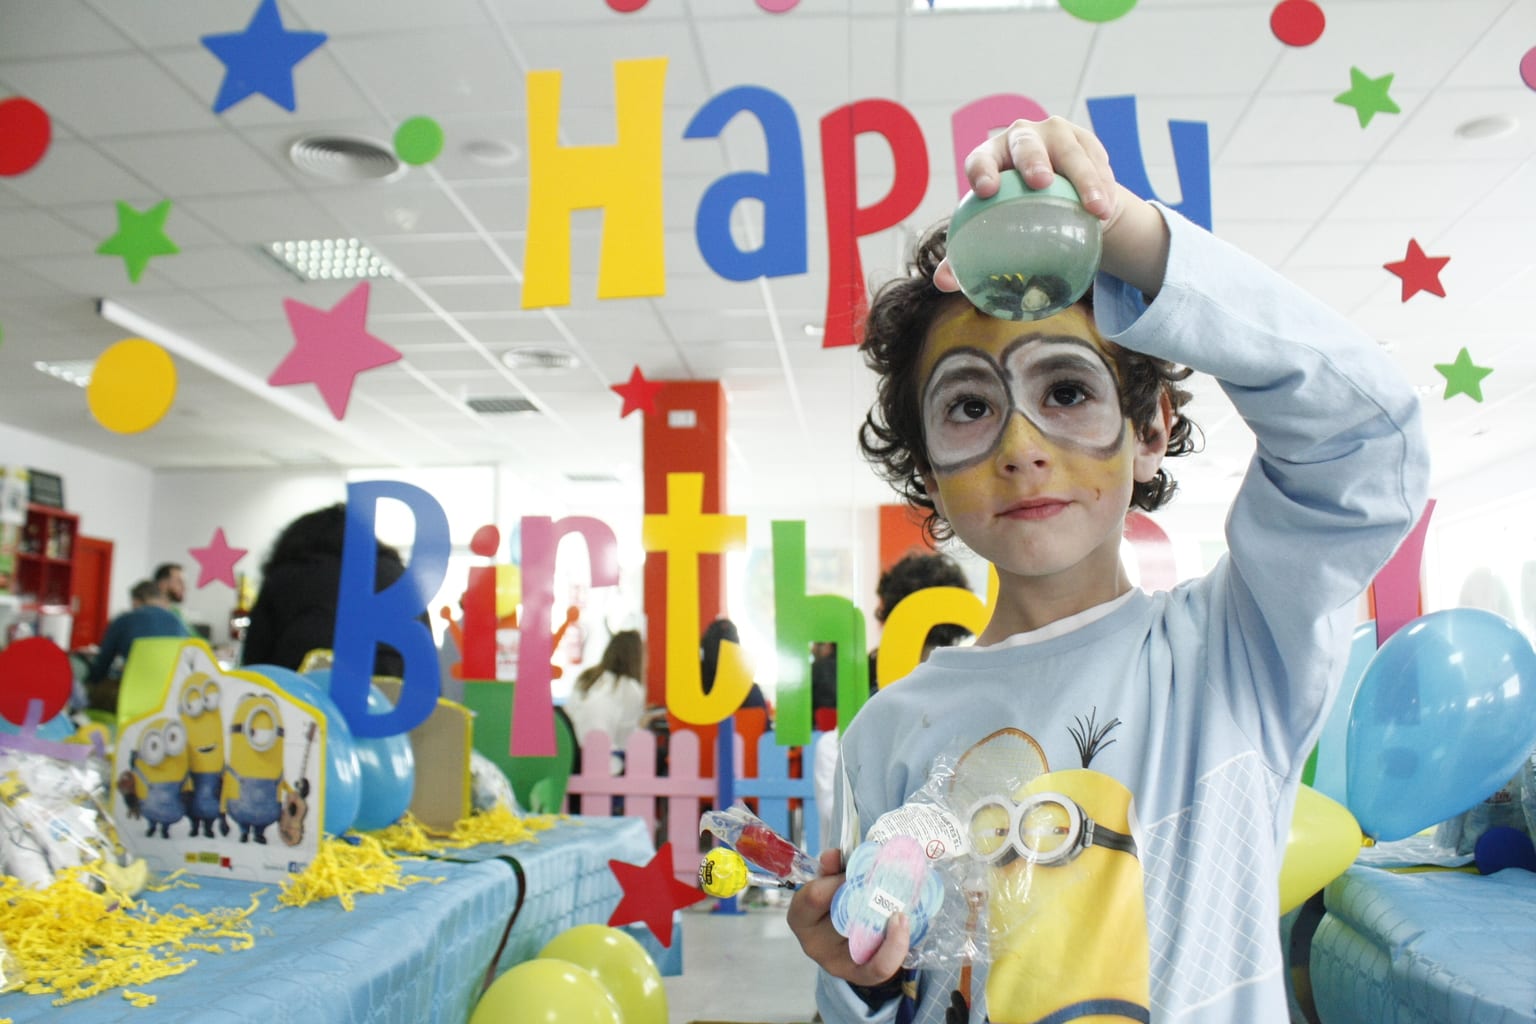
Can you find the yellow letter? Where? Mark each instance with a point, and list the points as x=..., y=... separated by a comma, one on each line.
x=624, y=179
x=907, y=626
x=682, y=534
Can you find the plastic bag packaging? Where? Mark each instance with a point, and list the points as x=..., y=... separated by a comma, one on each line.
x=53, y=816
x=751, y=837
x=1504, y=808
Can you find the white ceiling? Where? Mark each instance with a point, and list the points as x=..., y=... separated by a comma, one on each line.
x=1295, y=180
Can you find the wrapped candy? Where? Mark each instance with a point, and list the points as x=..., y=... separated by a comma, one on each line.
x=751, y=837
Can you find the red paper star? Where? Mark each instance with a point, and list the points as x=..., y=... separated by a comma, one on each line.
x=639, y=393
x=331, y=347
x=651, y=894
x=216, y=562
x=1420, y=273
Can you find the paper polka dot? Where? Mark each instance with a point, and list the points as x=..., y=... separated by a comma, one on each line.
x=1528, y=68
x=627, y=6
x=25, y=131
x=132, y=386
x=418, y=141
x=777, y=6
x=33, y=669
x=1297, y=22
x=1097, y=10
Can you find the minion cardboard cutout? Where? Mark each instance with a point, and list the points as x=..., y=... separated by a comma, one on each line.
x=214, y=750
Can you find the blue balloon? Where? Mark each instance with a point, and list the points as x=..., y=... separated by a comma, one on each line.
x=387, y=763
x=1330, y=776
x=57, y=729
x=1445, y=715
x=343, y=775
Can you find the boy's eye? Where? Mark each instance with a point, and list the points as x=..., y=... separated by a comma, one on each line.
x=1067, y=394
x=969, y=409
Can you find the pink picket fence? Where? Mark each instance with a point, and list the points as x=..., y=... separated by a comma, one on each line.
x=676, y=798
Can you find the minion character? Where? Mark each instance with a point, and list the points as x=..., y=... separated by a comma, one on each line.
x=1066, y=920
x=254, y=788
x=157, y=775
x=199, y=708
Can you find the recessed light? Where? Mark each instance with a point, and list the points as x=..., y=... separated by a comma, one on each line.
x=814, y=330
x=1494, y=126
x=72, y=371
x=492, y=152
x=327, y=259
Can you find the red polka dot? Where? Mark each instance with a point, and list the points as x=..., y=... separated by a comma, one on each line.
x=1297, y=22
x=33, y=669
x=25, y=131
x=627, y=6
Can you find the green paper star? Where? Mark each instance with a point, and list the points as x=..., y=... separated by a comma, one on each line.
x=139, y=237
x=1464, y=377
x=1368, y=96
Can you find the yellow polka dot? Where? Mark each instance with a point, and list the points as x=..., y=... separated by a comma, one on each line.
x=132, y=386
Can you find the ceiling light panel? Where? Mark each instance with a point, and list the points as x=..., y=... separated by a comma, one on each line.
x=328, y=259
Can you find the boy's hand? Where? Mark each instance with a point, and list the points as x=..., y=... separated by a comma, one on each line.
x=1135, y=237
x=810, y=918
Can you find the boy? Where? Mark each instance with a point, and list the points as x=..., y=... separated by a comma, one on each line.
x=1124, y=764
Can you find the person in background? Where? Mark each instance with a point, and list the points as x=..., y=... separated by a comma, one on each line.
x=914, y=572
x=172, y=585
x=150, y=615
x=295, y=609
x=610, y=696
x=709, y=660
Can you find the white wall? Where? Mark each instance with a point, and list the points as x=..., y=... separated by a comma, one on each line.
x=111, y=496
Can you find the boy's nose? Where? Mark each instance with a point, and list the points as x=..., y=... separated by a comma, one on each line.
x=1022, y=447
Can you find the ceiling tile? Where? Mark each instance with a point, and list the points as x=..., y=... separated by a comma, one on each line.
x=109, y=95
x=181, y=164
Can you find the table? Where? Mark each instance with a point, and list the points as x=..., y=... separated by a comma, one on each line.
x=408, y=957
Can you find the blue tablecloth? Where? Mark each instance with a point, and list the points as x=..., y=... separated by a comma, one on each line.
x=408, y=957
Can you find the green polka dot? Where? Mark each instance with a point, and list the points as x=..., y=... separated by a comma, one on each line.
x=419, y=140
x=1097, y=10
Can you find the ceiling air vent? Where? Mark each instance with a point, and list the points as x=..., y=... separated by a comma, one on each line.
x=592, y=478
x=539, y=359
x=344, y=158
x=501, y=405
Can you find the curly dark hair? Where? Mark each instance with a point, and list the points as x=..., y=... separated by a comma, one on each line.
x=891, y=438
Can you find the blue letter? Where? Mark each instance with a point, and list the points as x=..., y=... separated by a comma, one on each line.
x=1114, y=122
x=365, y=617
x=782, y=190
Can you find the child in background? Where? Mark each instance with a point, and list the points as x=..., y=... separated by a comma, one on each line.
x=1125, y=763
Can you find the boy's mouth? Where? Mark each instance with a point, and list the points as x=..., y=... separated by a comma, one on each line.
x=1034, y=508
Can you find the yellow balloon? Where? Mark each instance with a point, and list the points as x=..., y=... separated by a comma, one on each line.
x=546, y=992
x=623, y=966
x=1324, y=841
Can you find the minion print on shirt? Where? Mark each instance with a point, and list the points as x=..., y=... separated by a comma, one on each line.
x=1055, y=869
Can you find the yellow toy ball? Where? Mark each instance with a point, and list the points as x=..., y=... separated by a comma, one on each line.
x=722, y=873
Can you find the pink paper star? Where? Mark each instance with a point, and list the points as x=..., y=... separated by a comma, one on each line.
x=216, y=562
x=1420, y=273
x=638, y=393
x=331, y=347
x=651, y=894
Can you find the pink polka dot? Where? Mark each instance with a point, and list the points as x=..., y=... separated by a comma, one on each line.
x=1528, y=68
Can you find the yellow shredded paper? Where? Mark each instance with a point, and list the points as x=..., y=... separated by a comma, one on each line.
x=342, y=870
x=79, y=943
x=497, y=825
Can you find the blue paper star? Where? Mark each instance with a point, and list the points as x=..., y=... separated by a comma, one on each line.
x=261, y=59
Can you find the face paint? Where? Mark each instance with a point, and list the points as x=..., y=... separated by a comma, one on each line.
x=1059, y=383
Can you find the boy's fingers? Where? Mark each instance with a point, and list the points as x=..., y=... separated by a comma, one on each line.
x=888, y=958
x=831, y=861
x=944, y=277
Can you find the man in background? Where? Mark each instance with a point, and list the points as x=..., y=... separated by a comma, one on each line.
x=172, y=586
x=151, y=615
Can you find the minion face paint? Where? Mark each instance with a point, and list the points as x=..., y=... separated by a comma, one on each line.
x=1031, y=459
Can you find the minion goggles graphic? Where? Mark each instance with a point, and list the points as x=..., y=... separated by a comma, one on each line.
x=1046, y=828
x=261, y=735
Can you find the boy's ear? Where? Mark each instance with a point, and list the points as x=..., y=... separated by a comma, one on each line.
x=1153, y=445
x=931, y=487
